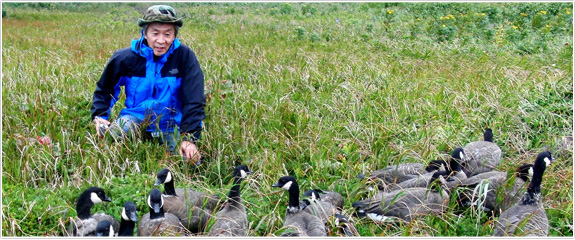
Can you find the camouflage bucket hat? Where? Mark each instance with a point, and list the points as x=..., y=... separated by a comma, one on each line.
x=160, y=13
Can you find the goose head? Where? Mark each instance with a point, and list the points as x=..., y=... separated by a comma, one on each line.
x=488, y=135
x=155, y=203
x=164, y=176
x=242, y=171
x=87, y=199
x=435, y=165
x=525, y=171
x=104, y=229
x=129, y=212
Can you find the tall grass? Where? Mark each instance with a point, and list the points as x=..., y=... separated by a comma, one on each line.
x=321, y=91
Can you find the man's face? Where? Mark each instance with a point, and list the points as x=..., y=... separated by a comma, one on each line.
x=160, y=37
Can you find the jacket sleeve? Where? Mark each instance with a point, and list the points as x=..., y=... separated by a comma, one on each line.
x=107, y=88
x=192, y=98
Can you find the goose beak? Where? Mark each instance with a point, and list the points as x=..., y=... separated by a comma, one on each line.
x=156, y=208
x=99, y=234
x=133, y=217
x=107, y=199
x=276, y=185
x=158, y=182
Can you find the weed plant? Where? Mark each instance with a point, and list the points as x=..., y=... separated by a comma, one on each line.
x=321, y=91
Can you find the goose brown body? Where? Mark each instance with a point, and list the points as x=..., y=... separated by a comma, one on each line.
x=482, y=156
x=405, y=204
x=193, y=208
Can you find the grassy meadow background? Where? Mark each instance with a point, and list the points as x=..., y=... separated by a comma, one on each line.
x=321, y=91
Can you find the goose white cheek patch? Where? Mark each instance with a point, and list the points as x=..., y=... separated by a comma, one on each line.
x=287, y=185
x=124, y=216
x=243, y=173
x=547, y=162
x=168, y=177
x=314, y=197
x=376, y=217
x=112, y=233
x=149, y=202
x=94, y=198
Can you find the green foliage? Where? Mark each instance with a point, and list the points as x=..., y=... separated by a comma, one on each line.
x=322, y=91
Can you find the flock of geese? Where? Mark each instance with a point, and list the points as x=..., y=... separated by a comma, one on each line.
x=403, y=192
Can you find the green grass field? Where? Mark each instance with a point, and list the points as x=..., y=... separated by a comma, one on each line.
x=320, y=91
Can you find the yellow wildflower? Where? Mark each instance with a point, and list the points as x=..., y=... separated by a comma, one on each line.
x=547, y=26
x=390, y=12
x=568, y=12
x=524, y=14
x=443, y=25
x=441, y=18
x=543, y=12
x=515, y=27
x=482, y=14
x=418, y=19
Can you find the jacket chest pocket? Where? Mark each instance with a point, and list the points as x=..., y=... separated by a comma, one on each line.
x=138, y=89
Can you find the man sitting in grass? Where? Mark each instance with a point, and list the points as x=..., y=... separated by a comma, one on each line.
x=163, y=83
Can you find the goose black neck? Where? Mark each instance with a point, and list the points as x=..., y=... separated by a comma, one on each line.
x=169, y=188
x=83, y=208
x=126, y=228
x=454, y=166
x=535, y=185
x=294, y=195
x=235, y=190
x=154, y=215
x=533, y=193
x=488, y=135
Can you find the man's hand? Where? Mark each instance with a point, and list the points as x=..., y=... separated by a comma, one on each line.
x=189, y=151
x=101, y=126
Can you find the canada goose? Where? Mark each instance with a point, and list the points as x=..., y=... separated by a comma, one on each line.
x=129, y=219
x=86, y=224
x=193, y=208
x=344, y=225
x=528, y=217
x=232, y=220
x=104, y=229
x=403, y=172
x=317, y=206
x=405, y=204
x=327, y=196
x=158, y=223
x=454, y=174
x=482, y=156
x=327, y=205
x=301, y=222
x=470, y=189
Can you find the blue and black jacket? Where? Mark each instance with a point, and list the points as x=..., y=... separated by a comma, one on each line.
x=166, y=91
